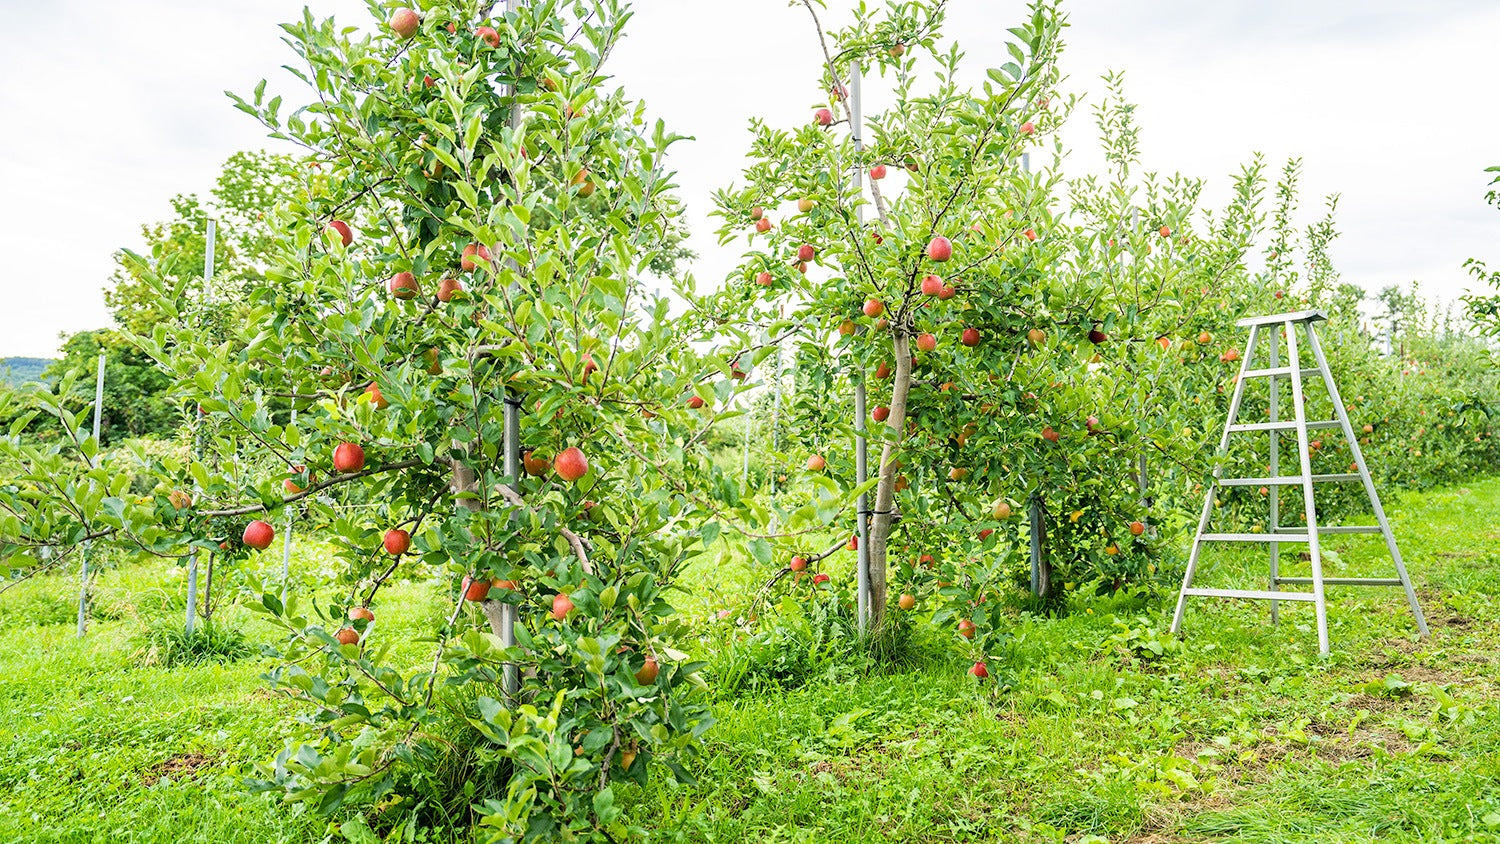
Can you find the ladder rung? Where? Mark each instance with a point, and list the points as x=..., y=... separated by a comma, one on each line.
x=1277, y=371
x=1348, y=529
x=1253, y=537
x=1346, y=581
x=1286, y=480
x=1253, y=594
x=1286, y=425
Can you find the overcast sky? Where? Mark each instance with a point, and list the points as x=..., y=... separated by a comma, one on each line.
x=109, y=109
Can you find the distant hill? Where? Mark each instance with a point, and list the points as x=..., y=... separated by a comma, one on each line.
x=17, y=371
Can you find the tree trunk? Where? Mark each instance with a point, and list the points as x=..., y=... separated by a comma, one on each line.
x=208, y=591
x=465, y=480
x=885, y=492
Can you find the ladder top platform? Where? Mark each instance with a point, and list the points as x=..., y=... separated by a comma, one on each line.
x=1294, y=316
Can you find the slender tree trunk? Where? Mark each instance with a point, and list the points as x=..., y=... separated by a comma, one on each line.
x=885, y=492
x=208, y=591
x=466, y=480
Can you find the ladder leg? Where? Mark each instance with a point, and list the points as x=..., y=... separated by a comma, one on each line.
x=1369, y=483
x=1208, y=498
x=1299, y=409
x=1274, y=520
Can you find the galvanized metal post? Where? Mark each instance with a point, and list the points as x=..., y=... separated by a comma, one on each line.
x=83, y=568
x=861, y=442
x=208, y=294
x=510, y=675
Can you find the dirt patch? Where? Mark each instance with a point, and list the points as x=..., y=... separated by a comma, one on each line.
x=181, y=766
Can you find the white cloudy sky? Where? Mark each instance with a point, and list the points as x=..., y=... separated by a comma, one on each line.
x=111, y=108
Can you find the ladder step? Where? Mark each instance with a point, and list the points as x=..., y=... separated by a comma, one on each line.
x=1286, y=480
x=1253, y=594
x=1277, y=371
x=1346, y=581
x=1348, y=529
x=1287, y=425
x=1253, y=537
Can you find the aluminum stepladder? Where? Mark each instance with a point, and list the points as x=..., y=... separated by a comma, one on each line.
x=1276, y=534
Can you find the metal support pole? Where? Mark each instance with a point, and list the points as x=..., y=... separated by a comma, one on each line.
x=861, y=442
x=510, y=674
x=1040, y=581
x=83, y=568
x=286, y=540
x=208, y=294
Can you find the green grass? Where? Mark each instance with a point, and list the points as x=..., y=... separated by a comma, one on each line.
x=1240, y=734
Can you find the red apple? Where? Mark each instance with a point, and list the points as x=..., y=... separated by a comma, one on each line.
x=820, y=578
x=404, y=23
x=877, y=172
x=948, y=292
x=906, y=602
x=1037, y=337
x=342, y=229
x=1137, y=528
x=846, y=327
x=571, y=464
x=472, y=251
x=1050, y=435
x=757, y=212
x=1030, y=234
x=823, y=117
x=1027, y=128
x=488, y=35
x=926, y=343
x=361, y=613
x=397, y=542
x=896, y=50
x=347, y=636
x=475, y=589
x=881, y=413
x=373, y=391
x=806, y=252
x=985, y=534
x=874, y=307
x=695, y=402
x=966, y=628
x=535, y=465
x=448, y=288
x=816, y=463
x=798, y=564
x=403, y=286
x=763, y=225
x=258, y=535
x=1165, y=231
x=348, y=457
x=1092, y=423
x=763, y=278
x=1001, y=510
x=1096, y=336
x=939, y=249
x=980, y=670
x=971, y=337
x=883, y=370
x=561, y=606
x=931, y=285
x=647, y=675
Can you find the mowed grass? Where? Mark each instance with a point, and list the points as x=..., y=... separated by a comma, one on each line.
x=1241, y=733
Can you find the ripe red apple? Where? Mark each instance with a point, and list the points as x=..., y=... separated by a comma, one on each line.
x=763, y=225
x=931, y=285
x=971, y=337
x=966, y=628
x=534, y=464
x=475, y=589
x=816, y=463
x=1137, y=528
x=980, y=670
x=561, y=606
x=820, y=578
x=906, y=602
x=948, y=292
x=695, y=402
x=397, y=542
x=348, y=457
x=883, y=370
x=1027, y=128
x=448, y=288
x=404, y=23
x=571, y=464
x=488, y=35
x=1050, y=435
x=874, y=307
x=881, y=413
x=1001, y=510
x=939, y=249
x=403, y=286
x=853, y=543
x=258, y=535
x=763, y=278
x=806, y=252
x=757, y=212
x=347, y=636
x=798, y=564
x=376, y=398
x=361, y=613
x=1165, y=231
x=926, y=342
x=342, y=228
x=472, y=251
x=877, y=172
x=823, y=117
x=985, y=534
x=846, y=328
x=428, y=82
x=647, y=675
x=1205, y=338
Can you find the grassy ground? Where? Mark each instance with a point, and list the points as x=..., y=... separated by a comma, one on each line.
x=1241, y=733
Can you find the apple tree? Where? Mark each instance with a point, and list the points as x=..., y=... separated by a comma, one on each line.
x=493, y=238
